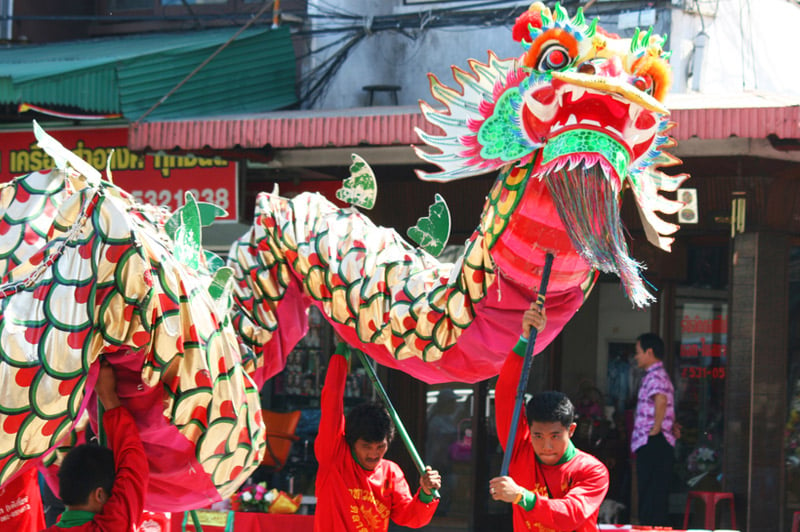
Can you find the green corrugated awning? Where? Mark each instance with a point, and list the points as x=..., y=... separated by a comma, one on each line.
x=127, y=75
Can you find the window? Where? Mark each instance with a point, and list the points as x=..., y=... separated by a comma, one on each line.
x=699, y=377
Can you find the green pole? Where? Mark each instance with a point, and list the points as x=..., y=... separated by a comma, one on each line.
x=195, y=521
x=401, y=429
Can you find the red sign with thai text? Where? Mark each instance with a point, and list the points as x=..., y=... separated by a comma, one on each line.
x=704, y=341
x=154, y=179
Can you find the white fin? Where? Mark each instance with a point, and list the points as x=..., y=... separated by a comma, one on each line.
x=64, y=158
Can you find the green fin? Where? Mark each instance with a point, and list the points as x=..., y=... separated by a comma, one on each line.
x=222, y=283
x=361, y=188
x=432, y=232
x=213, y=261
x=187, y=236
x=208, y=212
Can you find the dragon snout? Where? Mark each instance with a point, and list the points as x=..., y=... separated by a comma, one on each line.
x=621, y=85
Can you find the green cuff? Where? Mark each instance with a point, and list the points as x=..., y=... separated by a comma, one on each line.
x=521, y=347
x=342, y=349
x=528, y=500
x=424, y=497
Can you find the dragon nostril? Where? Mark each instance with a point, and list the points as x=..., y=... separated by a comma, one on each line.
x=544, y=95
x=587, y=67
x=645, y=121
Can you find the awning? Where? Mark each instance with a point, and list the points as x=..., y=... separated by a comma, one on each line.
x=254, y=73
x=374, y=126
x=698, y=117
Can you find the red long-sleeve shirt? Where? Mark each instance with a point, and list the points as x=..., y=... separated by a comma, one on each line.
x=124, y=507
x=21, y=504
x=569, y=494
x=349, y=497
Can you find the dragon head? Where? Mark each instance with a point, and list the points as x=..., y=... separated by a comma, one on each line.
x=585, y=109
x=589, y=92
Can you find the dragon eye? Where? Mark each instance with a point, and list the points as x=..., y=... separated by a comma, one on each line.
x=651, y=75
x=644, y=83
x=553, y=57
x=555, y=49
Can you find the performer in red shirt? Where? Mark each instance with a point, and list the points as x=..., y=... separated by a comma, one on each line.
x=552, y=485
x=357, y=489
x=21, y=504
x=98, y=498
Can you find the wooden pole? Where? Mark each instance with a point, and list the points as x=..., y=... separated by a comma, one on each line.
x=526, y=369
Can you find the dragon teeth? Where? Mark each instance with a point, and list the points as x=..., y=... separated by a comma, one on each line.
x=578, y=92
x=572, y=120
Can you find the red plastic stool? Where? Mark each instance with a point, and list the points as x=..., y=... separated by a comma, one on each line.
x=710, y=499
x=796, y=522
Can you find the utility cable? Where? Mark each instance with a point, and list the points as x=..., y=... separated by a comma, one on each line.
x=199, y=67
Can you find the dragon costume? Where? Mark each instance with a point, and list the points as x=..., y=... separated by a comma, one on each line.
x=89, y=272
x=569, y=124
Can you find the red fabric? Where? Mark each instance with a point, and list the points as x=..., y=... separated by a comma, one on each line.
x=576, y=488
x=350, y=498
x=124, y=506
x=292, y=314
x=172, y=457
x=252, y=522
x=21, y=504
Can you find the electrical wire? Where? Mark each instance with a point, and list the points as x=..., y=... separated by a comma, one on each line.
x=318, y=80
x=324, y=19
x=329, y=20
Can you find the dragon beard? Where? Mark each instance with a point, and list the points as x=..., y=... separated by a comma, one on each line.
x=589, y=209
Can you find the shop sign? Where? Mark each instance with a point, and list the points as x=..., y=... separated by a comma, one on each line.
x=156, y=179
x=704, y=338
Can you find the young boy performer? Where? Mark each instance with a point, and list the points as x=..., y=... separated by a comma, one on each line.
x=357, y=489
x=103, y=489
x=552, y=485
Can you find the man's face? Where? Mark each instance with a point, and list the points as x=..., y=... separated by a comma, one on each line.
x=644, y=359
x=369, y=454
x=550, y=440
